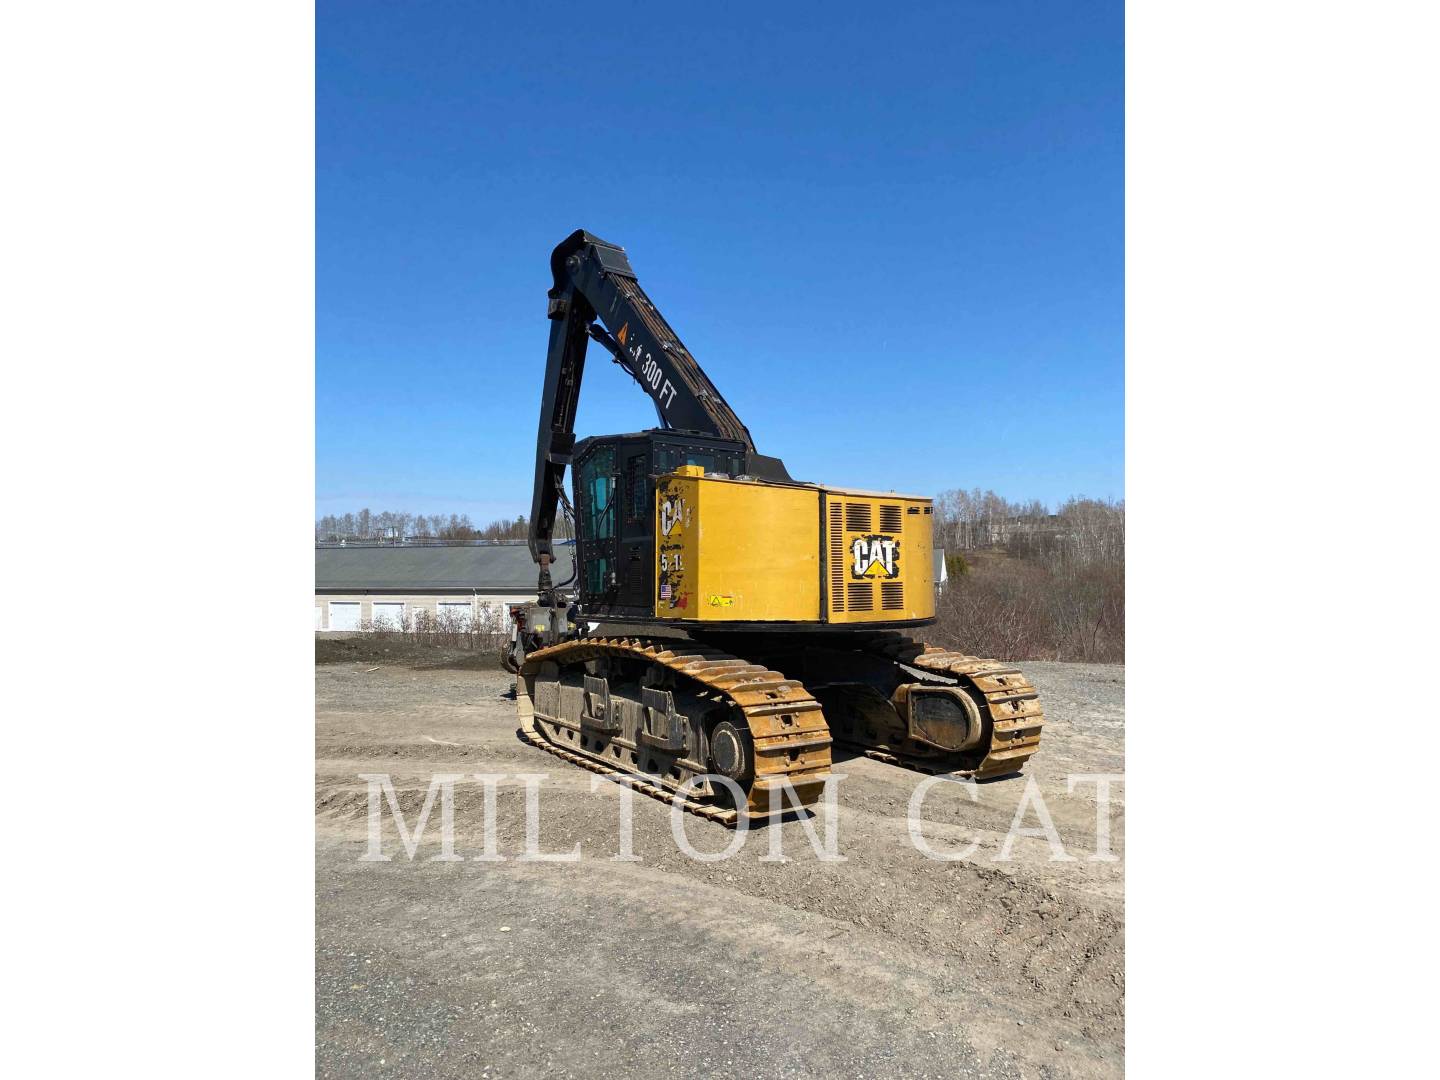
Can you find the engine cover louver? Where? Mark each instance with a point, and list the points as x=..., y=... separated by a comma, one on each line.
x=837, y=558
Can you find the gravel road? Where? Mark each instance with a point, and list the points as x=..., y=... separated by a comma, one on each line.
x=888, y=963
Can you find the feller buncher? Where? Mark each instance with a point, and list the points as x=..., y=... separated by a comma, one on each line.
x=724, y=619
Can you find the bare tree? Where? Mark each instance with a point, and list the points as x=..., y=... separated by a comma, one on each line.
x=389, y=524
x=1035, y=584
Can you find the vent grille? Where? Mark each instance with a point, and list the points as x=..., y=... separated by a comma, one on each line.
x=929, y=509
x=892, y=595
x=892, y=519
x=860, y=595
x=837, y=558
x=858, y=518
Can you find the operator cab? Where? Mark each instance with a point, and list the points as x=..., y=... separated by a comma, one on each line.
x=615, y=509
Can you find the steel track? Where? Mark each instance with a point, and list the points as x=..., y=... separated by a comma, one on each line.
x=787, y=728
x=1012, y=707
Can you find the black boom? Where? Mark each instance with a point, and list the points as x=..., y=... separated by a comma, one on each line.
x=593, y=280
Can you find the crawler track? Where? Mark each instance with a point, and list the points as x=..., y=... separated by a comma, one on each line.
x=787, y=727
x=530, y=734
x=1012, y=706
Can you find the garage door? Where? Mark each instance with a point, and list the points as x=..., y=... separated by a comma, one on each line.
x=491, y=617
x=454, y=613
x=344, y=615
x=387, y=615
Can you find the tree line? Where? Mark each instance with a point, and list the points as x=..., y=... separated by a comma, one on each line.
x=392, y=525
x=1026, y=583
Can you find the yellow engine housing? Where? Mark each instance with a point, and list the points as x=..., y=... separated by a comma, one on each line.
x=732, y=550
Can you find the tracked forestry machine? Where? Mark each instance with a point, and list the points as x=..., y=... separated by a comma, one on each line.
x=724, y=619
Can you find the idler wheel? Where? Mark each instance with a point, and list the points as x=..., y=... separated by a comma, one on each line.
x=732, y=753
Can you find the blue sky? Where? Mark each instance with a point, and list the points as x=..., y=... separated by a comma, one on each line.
x=891, y=234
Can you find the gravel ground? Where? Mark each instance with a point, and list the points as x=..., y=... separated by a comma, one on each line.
x=885, y=964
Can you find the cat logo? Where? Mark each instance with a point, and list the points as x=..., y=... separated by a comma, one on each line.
x=671, y=511
x=874, y=557
x=624, y=330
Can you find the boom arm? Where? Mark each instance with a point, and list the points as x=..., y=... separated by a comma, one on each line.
x=593, y=280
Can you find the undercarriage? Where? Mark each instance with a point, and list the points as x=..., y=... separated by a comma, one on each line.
x=724, y=724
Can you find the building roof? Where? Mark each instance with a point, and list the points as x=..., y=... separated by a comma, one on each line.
x=487, y=568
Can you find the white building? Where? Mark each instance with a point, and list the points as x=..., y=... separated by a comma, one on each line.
x=359, y=585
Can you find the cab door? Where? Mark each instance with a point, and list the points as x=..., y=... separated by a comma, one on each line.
x=595, y=498
x=637, y=532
